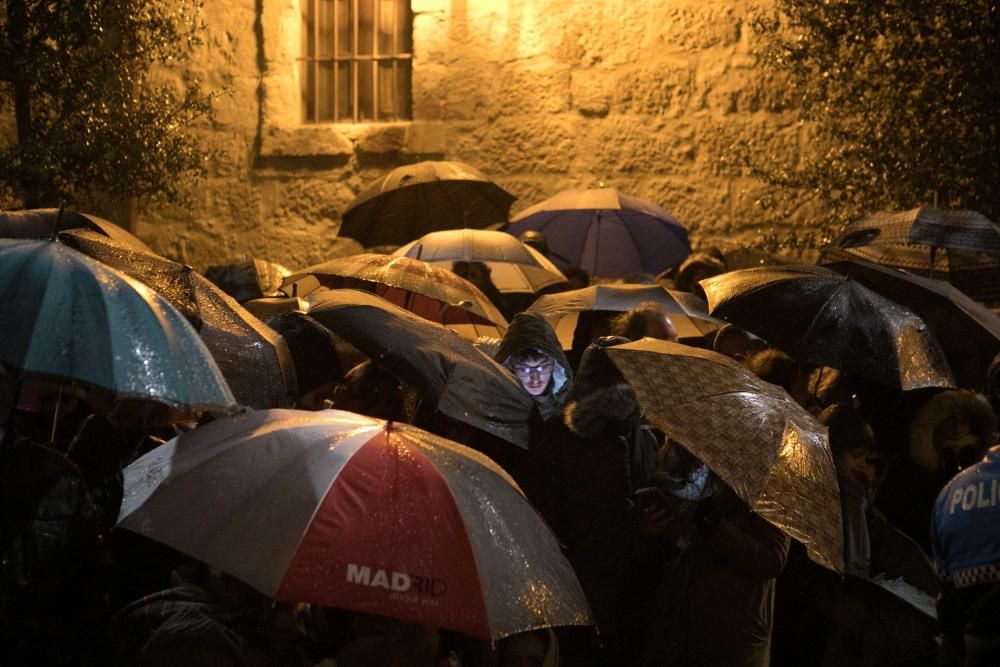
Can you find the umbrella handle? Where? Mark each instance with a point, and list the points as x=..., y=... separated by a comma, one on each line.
x=54, y=236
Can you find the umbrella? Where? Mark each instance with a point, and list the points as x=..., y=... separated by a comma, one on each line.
x=41, y=223
x=250, y=279
x=514, y=266
x=72, y=318
x=935, y=228
x=607, y=233
x=969, y=332
x=751, y=433
x=341, y=510
x=462, y=382
x=976, y=274
x=424, y=197
x=432, y=292
x=562, y=309
x=253, y=358
x=820, y=317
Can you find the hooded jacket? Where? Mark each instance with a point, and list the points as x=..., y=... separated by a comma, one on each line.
x=530, y=331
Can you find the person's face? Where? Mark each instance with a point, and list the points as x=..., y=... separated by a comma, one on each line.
x=523, y=650
x=534, y=374
x=861, y=465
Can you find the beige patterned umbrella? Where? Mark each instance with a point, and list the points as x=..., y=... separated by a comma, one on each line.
x=751, y=433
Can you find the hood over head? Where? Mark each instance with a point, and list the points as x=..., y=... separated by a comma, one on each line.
x=528, y=331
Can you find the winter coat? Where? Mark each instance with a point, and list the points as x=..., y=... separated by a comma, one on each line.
x=530, y=331
x=604, y=453
x=714, y=604
x=912, y=483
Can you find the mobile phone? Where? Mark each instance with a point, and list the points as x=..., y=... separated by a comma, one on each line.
x=652, y=496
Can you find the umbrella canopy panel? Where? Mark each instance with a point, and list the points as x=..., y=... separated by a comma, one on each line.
x=958, y=230
x=514, y=266
x=822, y=318
x=342, y=510
x=563, y=308
x=969, y=332
x=41, y=222
x=78, y=319
x=607, y=233
x=409, y=277
x=464, y=383
x=254, y=359
x=749, y=432
x=427, y=196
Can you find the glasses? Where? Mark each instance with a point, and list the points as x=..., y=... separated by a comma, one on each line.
x=528, y=371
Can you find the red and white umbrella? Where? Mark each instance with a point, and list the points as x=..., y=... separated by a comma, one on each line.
x=347, y=511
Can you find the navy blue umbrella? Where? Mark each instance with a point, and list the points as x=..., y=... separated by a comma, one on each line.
x=607, y=233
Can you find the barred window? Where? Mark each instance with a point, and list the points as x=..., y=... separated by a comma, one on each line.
x=356, y=60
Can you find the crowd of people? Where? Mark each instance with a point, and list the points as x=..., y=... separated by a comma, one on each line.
x=676, y=567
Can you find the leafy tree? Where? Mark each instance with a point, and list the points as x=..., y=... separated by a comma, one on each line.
x=903, y=101
x=75, y=75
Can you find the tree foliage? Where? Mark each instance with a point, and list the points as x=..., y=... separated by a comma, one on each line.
x=76, y=76
x=902, y=98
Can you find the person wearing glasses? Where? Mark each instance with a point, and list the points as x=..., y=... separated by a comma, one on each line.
x=531, y=351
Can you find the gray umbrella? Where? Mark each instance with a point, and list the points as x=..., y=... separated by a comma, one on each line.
x=462, y=382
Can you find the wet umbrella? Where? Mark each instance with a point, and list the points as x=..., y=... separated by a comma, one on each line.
x=751, y=433
x=969, y=332
x=820, y=317
x=42, y=222
x=514, y=266
x=72, y=318
x=462, y=382
x=424, y=197
x=930, y=227
x=976, y=274
x=337, y=509
x=250, y=279
x=607, y=233
x=253, y=358
x=433, y=292
x=562, y=309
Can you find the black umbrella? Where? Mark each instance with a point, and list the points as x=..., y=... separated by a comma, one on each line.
x=415, y=199
x=253, y=358
x=820, y=317
x=41, y=222
x=931, y=227
x=969, y=332
x=462, y=382
x=976, y=274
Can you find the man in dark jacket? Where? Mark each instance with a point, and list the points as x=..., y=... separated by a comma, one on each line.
x=592, y=473
x=531, y=351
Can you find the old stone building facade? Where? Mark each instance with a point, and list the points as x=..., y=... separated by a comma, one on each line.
x=541, y=95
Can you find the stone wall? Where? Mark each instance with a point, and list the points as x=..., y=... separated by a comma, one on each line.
x=541, y=95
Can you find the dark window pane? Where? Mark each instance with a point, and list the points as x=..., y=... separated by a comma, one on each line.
x=366, y=26
x=386, y=18
x=345, y=92
x=308, y=45
x=325, y=43
x=365, y=90
x=324, y=92
x=345, y=28
x=404, y=27
x=386, y=91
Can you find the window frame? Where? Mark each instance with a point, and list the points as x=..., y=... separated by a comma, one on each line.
x=311, y=63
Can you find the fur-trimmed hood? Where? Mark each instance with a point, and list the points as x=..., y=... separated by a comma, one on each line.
x=607, y=410
x=936, y=410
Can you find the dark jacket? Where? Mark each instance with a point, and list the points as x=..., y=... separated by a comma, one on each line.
x=715, y=603
x=530, y=331
x=603, y=455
